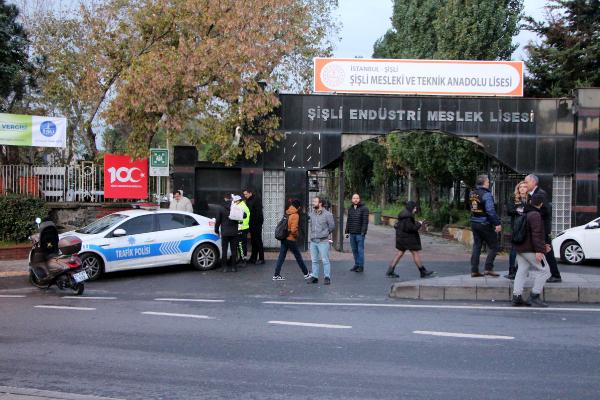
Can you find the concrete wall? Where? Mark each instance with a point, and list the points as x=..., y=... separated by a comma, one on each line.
x=69, y=215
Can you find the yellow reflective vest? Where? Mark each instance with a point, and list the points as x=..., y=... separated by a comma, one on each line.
x=245, y=223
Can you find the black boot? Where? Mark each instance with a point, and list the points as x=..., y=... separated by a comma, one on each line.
x=426, y=274
x=390, y=272
x=517, y=301
x=536, y=300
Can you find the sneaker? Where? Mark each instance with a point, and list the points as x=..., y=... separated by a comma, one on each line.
x=312, y=279
x=536, y=300
x=327, y=281
x=307, y=276
x=278, y=278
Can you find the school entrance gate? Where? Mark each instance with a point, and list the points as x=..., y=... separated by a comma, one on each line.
x=556, y=139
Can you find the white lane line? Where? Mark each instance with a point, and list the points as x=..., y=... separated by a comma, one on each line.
x=66, y=308
x=12, y=296
x=431, y=306
x=193, y=300
x=464, y=335
x=311, y=325
x=164, y=314
x=90, y=297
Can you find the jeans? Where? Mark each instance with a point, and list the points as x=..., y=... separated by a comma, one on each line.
x=483, y=233
x=283, y=249
x=527, y=260
x=232, y=242
x=322, y=249
x=357, y=242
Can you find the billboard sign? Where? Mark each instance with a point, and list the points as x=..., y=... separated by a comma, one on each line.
x=31, y=130
x=125, y=178
x=422, y=77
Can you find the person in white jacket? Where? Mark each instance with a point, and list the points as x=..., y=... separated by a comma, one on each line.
x=180, y=202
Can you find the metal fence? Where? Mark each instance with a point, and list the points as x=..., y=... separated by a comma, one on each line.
x=83, y=182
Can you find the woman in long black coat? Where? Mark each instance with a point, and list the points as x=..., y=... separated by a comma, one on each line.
x=408, y=238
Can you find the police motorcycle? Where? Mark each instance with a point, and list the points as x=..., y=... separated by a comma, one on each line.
x=55, y=262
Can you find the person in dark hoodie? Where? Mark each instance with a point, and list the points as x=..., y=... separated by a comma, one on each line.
x=408, y=238
x=229, y=235
x=531, y=253
x=290, y=243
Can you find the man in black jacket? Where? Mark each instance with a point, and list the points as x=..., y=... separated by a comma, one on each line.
x=546, y=213
x=229, y=234
x=254, y=203
x=356, y=228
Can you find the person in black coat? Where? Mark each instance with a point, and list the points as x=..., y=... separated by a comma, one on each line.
x=408, y=238
x=254, y=203
x=229, y=234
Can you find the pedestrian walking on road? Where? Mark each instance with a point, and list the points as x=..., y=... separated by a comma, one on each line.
x=516, y=207
x=229, y=235
x=290, y=243
x=530, y=253
x=485, y=226
x=356, y=229
x=408, y=238
x=546, y=213
x=257, y=255
x=321, y=225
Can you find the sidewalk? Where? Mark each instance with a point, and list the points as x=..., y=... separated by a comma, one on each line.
x=12, y=393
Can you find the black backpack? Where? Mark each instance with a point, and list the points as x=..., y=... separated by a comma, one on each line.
x=519, y=229
x=281, y=230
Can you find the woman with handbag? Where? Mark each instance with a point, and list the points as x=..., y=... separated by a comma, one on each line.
x=408, y=238
x=515, y=207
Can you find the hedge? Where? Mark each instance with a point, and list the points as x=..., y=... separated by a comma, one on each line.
x=17, y=216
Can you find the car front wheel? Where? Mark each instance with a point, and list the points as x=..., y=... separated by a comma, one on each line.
x=92, y=264
x=205, y=257
x=572, y=253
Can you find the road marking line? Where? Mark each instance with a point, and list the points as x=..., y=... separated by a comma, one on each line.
x=90, y=297
x=507, y=308
x=464, y=335
x=193, y=300
x=308, y=324
x=11, y=296
x=164, y=314
x=66, y=308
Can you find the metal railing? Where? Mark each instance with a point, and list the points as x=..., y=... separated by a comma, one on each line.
x=72, y=183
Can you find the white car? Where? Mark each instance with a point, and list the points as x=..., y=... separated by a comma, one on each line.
x=578, y=244
x=141, y=239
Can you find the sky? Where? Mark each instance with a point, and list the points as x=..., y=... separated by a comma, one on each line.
x=364, y=21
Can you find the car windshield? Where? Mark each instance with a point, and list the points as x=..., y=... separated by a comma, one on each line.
x=102, y=224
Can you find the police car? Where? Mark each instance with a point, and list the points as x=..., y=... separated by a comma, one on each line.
x=140, y=238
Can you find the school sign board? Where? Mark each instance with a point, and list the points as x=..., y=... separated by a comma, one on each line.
x=421, y=77
x=32, y=130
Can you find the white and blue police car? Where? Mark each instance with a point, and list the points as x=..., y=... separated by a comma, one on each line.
x=140, y=238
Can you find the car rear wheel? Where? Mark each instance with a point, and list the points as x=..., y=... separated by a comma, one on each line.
x=205, y=257
x=572, y=253
x=92, y=264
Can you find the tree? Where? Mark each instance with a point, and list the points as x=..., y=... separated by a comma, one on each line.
x=568, y=55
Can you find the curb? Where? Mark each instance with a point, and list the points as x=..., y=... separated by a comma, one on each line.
x=7, y=391
x=441, y=289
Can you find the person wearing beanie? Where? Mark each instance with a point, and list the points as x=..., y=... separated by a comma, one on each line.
x=407, y=238
x=289, y=243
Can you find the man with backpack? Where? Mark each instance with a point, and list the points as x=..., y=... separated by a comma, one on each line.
x=485, y=225
x=530, y=253
x=288, y=239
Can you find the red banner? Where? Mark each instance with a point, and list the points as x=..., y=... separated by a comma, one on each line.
x=125, y=178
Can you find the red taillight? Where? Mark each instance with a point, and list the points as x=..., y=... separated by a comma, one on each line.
x=74, y=262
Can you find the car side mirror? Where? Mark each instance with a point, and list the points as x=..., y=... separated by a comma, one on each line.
x=593, y=225
x=119, y=232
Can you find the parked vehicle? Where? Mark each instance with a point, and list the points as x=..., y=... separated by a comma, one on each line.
x=140, y=238
x=578, y=244
x=54, y=261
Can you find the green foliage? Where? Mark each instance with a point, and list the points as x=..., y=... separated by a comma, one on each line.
x=444, y=215
x=451, y=29
x=568, y=56
x=17, y=216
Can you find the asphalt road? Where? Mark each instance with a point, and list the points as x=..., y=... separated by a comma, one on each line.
x=251, y=340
